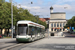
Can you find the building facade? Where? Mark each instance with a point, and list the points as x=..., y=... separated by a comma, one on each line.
x=57, y=21
x=45, y=20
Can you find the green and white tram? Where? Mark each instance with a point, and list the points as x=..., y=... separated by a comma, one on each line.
x=29, y=31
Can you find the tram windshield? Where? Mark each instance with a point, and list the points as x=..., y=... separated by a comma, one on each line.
x=22, y=29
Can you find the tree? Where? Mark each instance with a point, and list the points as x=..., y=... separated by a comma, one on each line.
x=2, y=1
x=70, y=22
x=18, y=14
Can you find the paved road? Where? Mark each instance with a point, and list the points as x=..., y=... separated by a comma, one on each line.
x=51, y=43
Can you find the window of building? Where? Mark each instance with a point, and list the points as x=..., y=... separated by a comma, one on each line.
x=57, y=24
x=60, y=25
x=63, y=24
x=52, y=25
x=57, y=29
x=54, y=29
x=51, y=29
x=60, y=29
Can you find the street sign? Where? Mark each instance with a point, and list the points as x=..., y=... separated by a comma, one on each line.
x=68, y=27
x=72, y=28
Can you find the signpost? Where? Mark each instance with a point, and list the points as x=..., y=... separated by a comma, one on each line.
x=48, y=30
x=48, y=33
x=12, y=18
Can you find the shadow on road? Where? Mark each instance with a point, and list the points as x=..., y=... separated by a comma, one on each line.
x=11, y=42
x=21, y=42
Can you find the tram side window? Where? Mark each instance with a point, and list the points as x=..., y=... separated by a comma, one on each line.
x=31, y=30
x=43, y=31
x=38, y=30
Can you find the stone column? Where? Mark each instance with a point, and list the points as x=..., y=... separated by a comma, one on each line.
x=62, y=26
x=50, y=27
x=53, y=24
x=59, y=26
x=64, y=23
x=56, y=26
x=53, y=27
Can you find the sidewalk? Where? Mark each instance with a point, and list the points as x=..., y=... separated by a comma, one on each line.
x=3, y=40
x=7, y=38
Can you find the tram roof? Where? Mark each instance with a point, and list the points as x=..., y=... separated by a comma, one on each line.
x=29, y=23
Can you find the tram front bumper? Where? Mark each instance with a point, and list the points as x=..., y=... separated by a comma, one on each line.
x=22, y=39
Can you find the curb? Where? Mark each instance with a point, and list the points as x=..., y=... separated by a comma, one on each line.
x=6, y=38
x=59, y=36
x=72, y=35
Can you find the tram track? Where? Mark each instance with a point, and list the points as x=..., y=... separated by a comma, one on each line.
x=10, y=46
x=16, y=47
x=13, y=46
x=6, y=46
x=19, y=46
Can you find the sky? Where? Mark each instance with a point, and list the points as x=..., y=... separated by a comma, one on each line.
x=42, y=7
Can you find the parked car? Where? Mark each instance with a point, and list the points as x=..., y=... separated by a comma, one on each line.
x=0, y=36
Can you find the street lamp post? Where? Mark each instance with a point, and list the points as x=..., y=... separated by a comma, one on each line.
x=48, y=30
x=12, y=18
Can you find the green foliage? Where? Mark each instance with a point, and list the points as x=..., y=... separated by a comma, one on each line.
x=71, y=22
x=2, y=1
x=18, y=14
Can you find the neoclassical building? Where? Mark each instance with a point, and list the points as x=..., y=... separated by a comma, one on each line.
x=57, y=21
